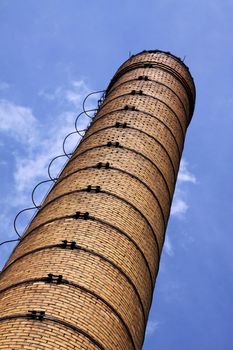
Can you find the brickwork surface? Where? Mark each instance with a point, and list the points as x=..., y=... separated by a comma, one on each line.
x=83, y=274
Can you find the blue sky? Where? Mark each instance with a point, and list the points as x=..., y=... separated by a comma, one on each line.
x=52, y=54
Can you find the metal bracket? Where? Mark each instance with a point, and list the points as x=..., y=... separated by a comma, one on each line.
x=57, y=279
x=143, y=77
x=102, y=165
x=113, y=144
x=95, y=189
x=69, y=244
x=121, y=125
x=135, y=92
x=147, y=65
x=36, y=314
x=79, y=215
x=129, y=108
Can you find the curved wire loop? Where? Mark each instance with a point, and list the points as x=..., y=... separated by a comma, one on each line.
x=68, y=135
x=79, y=132
x=63, y=145
x=20, y=212
x=49, y=166
x=9, y=241
x=79, y=115
x=99, y=101
x=34, y=189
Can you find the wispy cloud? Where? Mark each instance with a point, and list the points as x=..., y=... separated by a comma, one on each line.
x=18, y=122
x=49, y=140
x=48, y=144
x=72, y=96
x=180, y=204
x=151, y=327
x=76, y=93
x=168, y=248
x=184, y=174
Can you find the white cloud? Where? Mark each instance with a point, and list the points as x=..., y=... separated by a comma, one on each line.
x=180, y=201
x=151, y=327
x=179, y=204
x=72, y=96
x=168, y=248
x=18, y=122
x=48, y=142
x=49, y=145
x=50, y=95
x=184, y=174
x=77, y=92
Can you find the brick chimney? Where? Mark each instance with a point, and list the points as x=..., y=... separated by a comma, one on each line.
x=83, y=274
